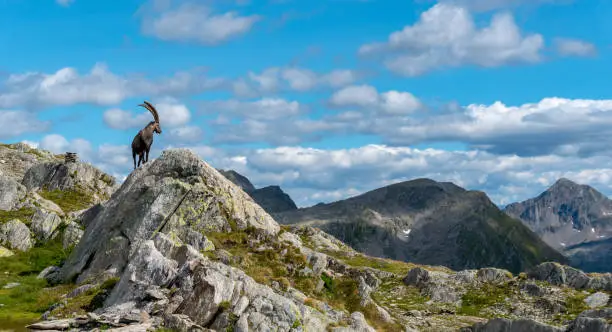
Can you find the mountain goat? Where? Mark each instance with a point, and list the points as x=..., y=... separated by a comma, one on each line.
x=141, y=145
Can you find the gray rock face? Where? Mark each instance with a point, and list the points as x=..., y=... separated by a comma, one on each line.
x=358, y=324
x=44, y=224
x=72, y=235
x=16, y=235
x=11, y=192
x=70, y=176
x=493, y=275
x=506, y=325
x=171, y=193
x=238, y=179
x=561, y=275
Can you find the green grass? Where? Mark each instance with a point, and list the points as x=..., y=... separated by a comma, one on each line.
x=23, y=214
x=26, y=302
x=69, y=200
x=486, y=295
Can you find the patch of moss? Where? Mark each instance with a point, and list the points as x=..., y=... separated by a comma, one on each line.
x=23, y=214
x=486, y=295
x=69, y=200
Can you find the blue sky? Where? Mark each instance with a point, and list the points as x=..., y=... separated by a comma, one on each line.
x=326, y=98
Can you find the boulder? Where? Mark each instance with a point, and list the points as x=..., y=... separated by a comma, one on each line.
x=44, y=224
x=493, y=275
x=598, y=299
x=16, y=235
x=11, y=192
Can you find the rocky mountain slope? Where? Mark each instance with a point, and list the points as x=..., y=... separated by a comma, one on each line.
x=179, y=247
x=271, y=198
x=573, y=218
x=428, y=222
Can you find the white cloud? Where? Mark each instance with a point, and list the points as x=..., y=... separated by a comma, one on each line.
x=171, y=114
x=276, y=79
x=486, y=5
x=553, y=125
x=574, y=47
x=192, y=22
x=100, y=87
x=16, y=123
x=447, y=36
x=390, y=102
x=186, y=134
x=262, y=109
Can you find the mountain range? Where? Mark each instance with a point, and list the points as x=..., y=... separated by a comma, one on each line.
x=439, y=223
x=427, y=222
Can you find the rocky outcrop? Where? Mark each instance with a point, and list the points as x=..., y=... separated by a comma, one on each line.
x=561, y=275
x=80, y=177
x=170, y=194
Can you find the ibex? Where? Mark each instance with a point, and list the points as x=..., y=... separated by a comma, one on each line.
x=141, y=144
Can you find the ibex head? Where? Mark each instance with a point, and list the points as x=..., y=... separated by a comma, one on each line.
x=155, y=124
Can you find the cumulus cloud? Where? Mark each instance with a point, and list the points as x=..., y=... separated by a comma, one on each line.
x=277, y=79
x=574, y=47
x=100, y=87
x=171, y=114
x=552, y=125
x=447, y=36
x=193, y=22
x=262, y=109
x=186, y=134
x=16, y=123
x=390, y=102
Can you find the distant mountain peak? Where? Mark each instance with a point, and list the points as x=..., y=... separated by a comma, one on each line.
x=564, y=183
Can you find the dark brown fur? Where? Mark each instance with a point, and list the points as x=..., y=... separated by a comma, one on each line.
x=141, y=144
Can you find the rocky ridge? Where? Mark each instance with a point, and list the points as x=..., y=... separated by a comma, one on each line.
x=178, y=246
